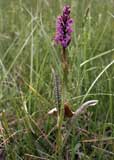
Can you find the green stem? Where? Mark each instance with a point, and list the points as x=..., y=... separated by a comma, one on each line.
x=65, y=66
x=59, y=134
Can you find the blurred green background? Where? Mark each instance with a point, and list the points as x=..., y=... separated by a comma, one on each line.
x=27, y=53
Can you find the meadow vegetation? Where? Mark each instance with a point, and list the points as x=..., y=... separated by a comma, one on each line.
x=27, y=55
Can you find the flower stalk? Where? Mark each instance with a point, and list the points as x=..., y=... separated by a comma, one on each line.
x=64, y=60
x=63, y=37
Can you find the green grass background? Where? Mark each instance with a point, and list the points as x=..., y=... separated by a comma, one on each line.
x=27, y=53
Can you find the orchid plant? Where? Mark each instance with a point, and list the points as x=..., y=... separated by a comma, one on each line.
x=63, y=37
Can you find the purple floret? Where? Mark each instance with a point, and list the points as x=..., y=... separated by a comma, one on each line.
x=63, y=28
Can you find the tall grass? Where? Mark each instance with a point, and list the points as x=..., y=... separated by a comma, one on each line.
x=27, y=53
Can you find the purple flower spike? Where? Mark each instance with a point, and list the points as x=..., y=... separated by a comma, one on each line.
x=63, y=28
